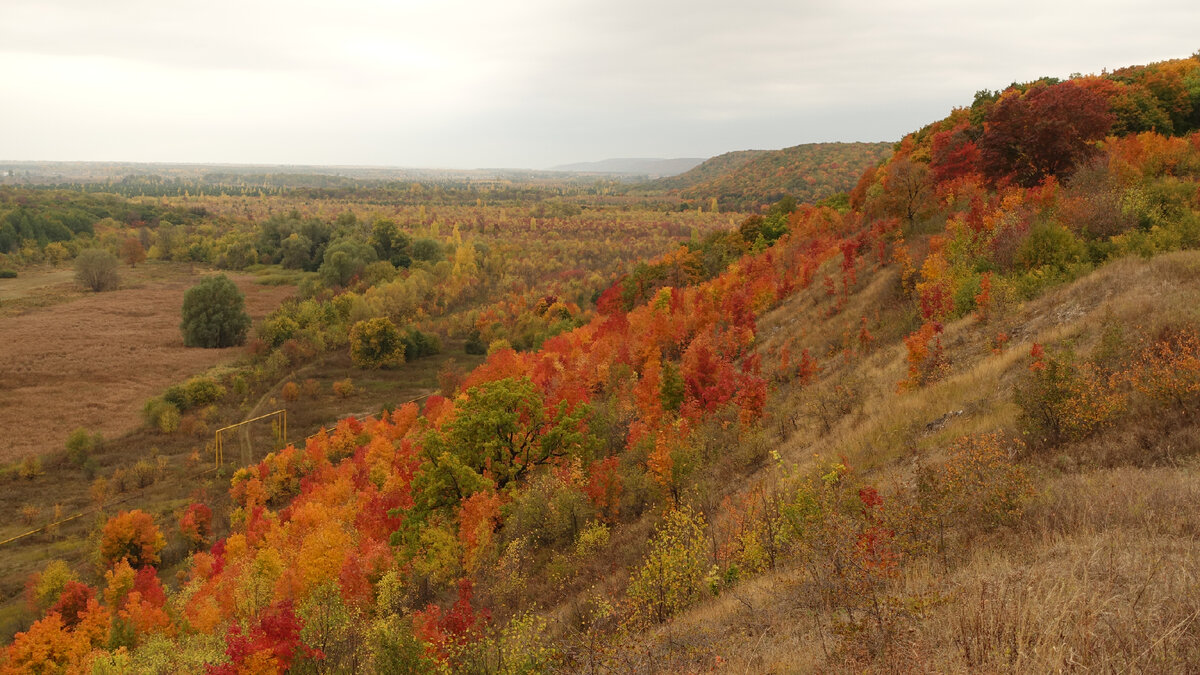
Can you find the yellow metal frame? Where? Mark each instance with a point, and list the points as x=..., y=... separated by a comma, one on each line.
x=279, y=427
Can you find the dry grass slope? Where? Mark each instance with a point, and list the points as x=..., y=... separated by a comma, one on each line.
x=1099, y=575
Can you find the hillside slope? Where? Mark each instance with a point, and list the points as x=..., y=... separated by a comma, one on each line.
x=748, y=179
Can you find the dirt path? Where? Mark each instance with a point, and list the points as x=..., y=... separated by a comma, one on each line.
x=93, y=361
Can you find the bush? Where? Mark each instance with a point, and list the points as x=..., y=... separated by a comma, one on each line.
x=96, y=268
x=376, y=343
x=8, y=274
x=343, y=388
x=80, y=445
x=475, y=344
x=290, y=391
x=31, y=467
x=161, y=414
x=311, y=388
x=418, y=344
x=203, y=391
x=1061, y=400
x=275, y=331
x=144, y=473
x=214, y=314
x=672, y=577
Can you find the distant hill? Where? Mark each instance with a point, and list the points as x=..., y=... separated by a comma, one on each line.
x=654, y=168
x=749, y=178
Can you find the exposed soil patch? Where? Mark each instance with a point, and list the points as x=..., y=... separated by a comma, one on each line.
x=92, y=361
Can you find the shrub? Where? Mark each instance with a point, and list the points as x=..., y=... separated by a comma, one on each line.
x=311, y=388
x=474, y=345
x=214, y=314
x=30, y=513
x=343, y=388
x=80, y=445
x=143, y=473
x=96, y=269
x=161, y=414
x=672, y=577
x=8, y=274
x=119, y=480
x=132, y=536
x=1168, y=370
x=290, y=391
x=177, y=396
x=203, y=391
x=418, y=344
x=376, y=343
x=1061, y=401
x=132, y=251
x=31, y=467
x=277, y=330
x=978, y=486
x=99, y=491
x=169, y=420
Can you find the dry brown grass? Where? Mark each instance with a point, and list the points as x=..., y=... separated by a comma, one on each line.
x=1103, y=577
x=96, y=358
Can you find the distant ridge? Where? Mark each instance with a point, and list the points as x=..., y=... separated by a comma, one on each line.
x=750, y=178
x=652, y=167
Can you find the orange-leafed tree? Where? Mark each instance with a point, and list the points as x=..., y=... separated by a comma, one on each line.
x=132, y=536
x=132, y=251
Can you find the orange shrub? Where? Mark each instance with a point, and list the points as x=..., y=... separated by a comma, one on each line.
x=1168, y=370
x=343, y=388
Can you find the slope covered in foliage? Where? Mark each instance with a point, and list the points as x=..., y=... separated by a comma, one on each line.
x=951, y=426
x=749, y=179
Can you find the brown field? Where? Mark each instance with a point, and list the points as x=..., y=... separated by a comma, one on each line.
x=91, y=360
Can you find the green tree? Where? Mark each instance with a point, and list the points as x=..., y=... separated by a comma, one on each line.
x=501, y=431
x=376, y=343
x=390, y=243
x=296, y=251
x=344, y=260
x=96, y=268
x=214, y=314
x=426, y=249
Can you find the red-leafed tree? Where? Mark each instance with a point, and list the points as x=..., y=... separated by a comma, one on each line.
x=73, y=602
x=271, y=645
x=1046, y=131
x=196, y=525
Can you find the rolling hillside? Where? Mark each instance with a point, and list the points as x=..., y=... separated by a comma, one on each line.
x=748, y=179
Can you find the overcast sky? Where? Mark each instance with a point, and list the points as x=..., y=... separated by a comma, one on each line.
x=527, y=83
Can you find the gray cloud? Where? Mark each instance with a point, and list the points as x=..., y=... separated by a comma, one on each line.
x=465, y=83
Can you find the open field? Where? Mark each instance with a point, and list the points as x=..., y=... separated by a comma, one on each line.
x=95, y=358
